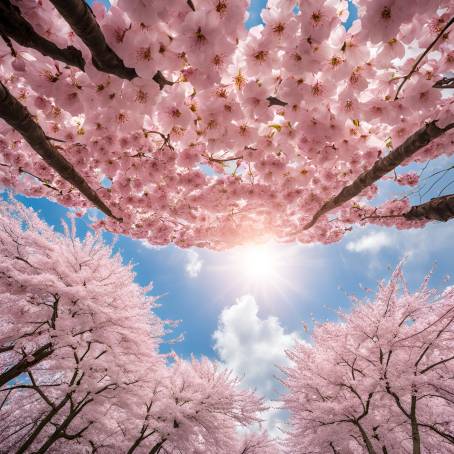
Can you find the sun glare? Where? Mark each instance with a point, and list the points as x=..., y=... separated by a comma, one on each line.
x=258, y=263
x=268, y=271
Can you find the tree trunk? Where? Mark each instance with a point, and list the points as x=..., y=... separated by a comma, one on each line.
x=414, y=427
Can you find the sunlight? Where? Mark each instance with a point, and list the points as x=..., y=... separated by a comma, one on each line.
x=258, y=263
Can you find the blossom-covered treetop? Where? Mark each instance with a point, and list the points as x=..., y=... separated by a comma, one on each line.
x=184, y=127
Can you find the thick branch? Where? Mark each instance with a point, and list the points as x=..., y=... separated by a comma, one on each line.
x=13, y=25
x=19, y=118
x=436, y=209
x=22, y=366
x=82, y=20
x=273, y=101
x=446, y=82
x=42, y=424
x=418, y=61
x=414, y=143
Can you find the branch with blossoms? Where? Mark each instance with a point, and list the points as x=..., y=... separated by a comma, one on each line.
x=19, y=118
x=81, y=19
x=421, y=57
x=14, y=26
x=414, y=143
x=222, y=160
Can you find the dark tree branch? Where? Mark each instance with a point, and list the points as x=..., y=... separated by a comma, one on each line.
x=19, y=118
x=443, y=434
x=273, y=101
x=161, y=80
x=446, y=82
x=418, y=61
x=157, y=447
x=43, y=423
x=14, y=26
x=436, y=209
x=82, y=20
x=414, y=143
x=22, y=366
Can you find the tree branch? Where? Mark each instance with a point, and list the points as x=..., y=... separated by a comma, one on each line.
x=430, y=131
x=19, y=118
x=82, y=20
x=21, y=366
x=273, y=101
x=436, y=209
x=446, y=82
x=13, y=25
x=418, y=61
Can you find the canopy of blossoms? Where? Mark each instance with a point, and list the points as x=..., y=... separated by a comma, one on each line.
x=80, y=369
x=183, y=126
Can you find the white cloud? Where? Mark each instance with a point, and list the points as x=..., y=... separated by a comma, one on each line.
x=194, y=264
x=252, y=347
x=371, y=242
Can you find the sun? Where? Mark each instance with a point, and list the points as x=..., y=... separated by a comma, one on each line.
x=266, y=270
x=257, y=263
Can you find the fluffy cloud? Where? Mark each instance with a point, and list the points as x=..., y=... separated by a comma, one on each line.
x=371, y=242
x=194, y=264
x=251, y=346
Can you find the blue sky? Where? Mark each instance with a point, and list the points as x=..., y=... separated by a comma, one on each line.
x=254, y=321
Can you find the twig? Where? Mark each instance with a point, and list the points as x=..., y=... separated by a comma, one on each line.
x=418, y=61
x=220, y=160
x=165, y=138
x=41, y=180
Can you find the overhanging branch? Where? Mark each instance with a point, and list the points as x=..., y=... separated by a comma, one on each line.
x=82, y=20
x=14, y=26
x=436, y=209
x=415, y=142
x=19, y=118
x=446, y=82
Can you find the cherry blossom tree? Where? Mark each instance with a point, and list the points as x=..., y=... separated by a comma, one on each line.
x=380, y=379
x=80, y=369
x=127, y=109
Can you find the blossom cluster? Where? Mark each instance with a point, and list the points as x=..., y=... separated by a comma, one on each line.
x=259, y=128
